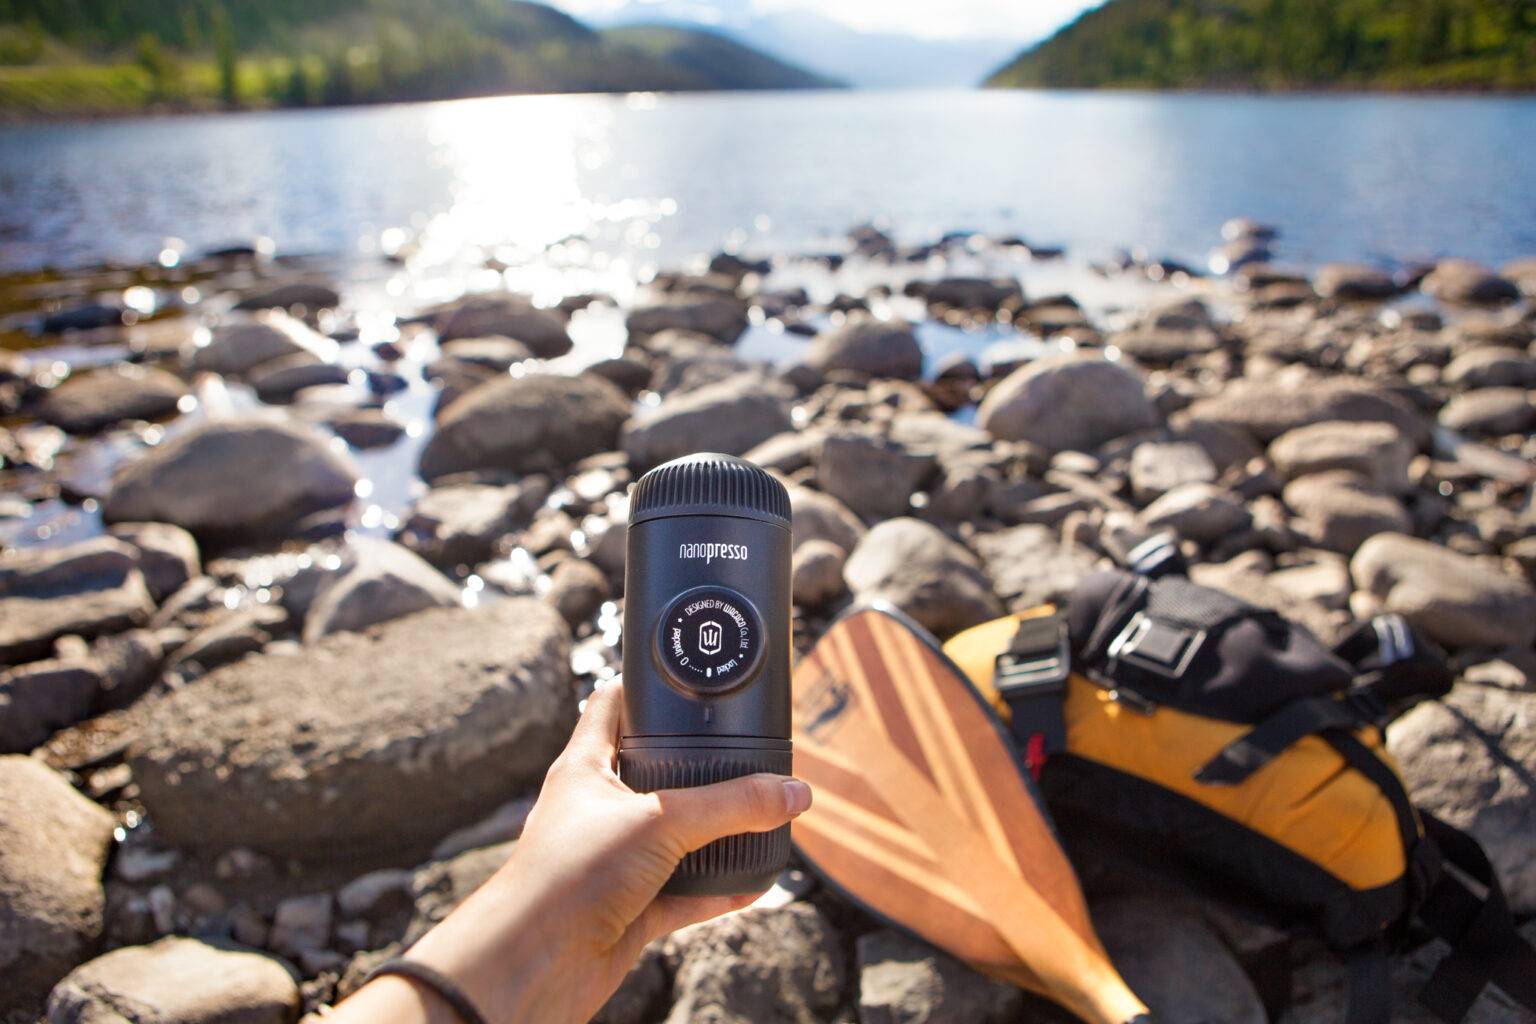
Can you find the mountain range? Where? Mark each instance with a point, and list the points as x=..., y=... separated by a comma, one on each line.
x=118, y=56
x=1287, y=44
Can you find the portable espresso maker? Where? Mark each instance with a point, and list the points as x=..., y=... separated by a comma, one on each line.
x=707, y=649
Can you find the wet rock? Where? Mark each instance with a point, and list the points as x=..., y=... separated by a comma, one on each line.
x=1073, y=401
x=975, y=293
x=727, y=970
x=464, y=524
x=393, y=736
x=187, y=981
x=1339, y=511
x=87, y=589
x=817, y=516
x=1376, y=452
x=1463, y=281
x=1353, y=282
x=167, y=555
x=1153, y=940
x=870, y=347
x=1030, y=566
x=720, y=317
x=1268, y=407
x=365, y=428
x=240, y=346
x=53, y=848
x=1494, y=367
x=280, y=379
x=1469, y=760
x=233, y=480
x=1203, y=513
x=38, y=699
x=526, y=424
x=498, y=354
x=577, y=589
x=1157, y=468
x=905, y=981
x=871, y=475
x=308, y=294
x=729, y=417
x=1490, y=411
x=816, y=576
x=1455, y=599
x=1166, y=347
x=383, y=581
x=915, y=567
x=99, y=398
x=507, y=316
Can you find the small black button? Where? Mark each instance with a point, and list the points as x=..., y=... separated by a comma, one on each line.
x=710, y=640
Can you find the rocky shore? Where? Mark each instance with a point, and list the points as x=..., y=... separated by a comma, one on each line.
x=298, y=598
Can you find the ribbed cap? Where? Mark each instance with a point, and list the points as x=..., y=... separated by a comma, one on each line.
x=709, y=484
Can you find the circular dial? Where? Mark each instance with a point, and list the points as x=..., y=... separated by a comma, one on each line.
x=710, y=640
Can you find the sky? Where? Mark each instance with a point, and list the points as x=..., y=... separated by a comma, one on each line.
x=931, y=19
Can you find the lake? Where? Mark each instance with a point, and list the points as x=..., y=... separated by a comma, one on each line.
x=650, y=179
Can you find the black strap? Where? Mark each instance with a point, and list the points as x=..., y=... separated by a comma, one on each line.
x=1485, y=947
x=1155, y=557
x=1237, y=762
x=1031, y=675
x=440, y=984
x=1396, y=667
x=1370, y=984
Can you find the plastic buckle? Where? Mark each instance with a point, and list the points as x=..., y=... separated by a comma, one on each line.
x=1035, y=672
x=1156, y=646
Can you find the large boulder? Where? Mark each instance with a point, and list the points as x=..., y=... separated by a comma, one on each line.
x=391, y=737
x=1468, y=283
x=100, y=398
x=242, y=345
x=873, y=348
x=872, y=475
x=1070, y=402
x=1491, y=411
x=1455, y=599
x=1265, y=408
x=731, y=417
x=1471, y=760
x=526, y=424
x=818, y=516
x=903, y=980
x=914, y=566
x=1377, y=452
x=718, y=316
x=1339, y=510
x=87, y=589
x=233, y=480
x=1030, y=566
x=177, y=981
x=383, y=581
x=464, y=524
x=53, y=847
x=508, y=316
x=729, y=970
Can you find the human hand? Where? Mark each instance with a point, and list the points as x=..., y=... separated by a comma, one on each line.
x=555, y=930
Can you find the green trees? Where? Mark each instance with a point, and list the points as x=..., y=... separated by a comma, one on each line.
x=1288, y=44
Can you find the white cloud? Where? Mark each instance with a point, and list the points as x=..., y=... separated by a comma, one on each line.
x=933, y=19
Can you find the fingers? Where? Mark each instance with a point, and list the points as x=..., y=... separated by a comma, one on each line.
x=596, y=736
x=752, y=803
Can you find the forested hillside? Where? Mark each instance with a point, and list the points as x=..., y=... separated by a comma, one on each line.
x=1284, y=44
x=65, y=56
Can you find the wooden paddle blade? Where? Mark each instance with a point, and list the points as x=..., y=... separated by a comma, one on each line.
x=923, y=814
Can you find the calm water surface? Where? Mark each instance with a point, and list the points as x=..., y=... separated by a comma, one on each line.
x=647, y=179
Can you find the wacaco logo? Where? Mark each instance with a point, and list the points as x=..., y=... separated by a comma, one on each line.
x=710, y=552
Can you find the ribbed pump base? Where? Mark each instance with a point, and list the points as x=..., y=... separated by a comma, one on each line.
x=736, y=864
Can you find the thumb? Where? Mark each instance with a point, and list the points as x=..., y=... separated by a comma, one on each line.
x=752, y=803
